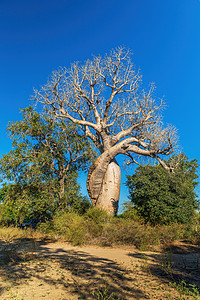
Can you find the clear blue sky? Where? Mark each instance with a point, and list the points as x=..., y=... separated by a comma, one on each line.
x=38, y=36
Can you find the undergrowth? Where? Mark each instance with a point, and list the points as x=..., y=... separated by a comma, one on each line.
x=97, y=227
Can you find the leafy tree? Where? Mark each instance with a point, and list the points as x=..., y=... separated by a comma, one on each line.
x=40, y=172
x=104, y=96
x=162, y=197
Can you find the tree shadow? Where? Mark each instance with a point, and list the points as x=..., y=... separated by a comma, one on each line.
x=87, y=274
x=177, y=264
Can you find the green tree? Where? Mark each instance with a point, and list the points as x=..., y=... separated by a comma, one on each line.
x=40, y=172
x=162, y=197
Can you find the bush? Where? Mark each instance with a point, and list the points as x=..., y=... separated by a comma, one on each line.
x=71, y=226
x=130, y=212
x=97, y=227
x=161, y=197
x=96, y=218
x=130, y=232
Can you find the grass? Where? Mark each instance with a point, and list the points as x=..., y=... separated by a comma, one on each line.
x=96, y=227
x=101, y=229
x=185, y=292
x=18, y=245
x=104, y=293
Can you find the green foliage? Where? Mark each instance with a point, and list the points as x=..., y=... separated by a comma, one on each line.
x=77, y=228
x=71, y=226
x=22, y=203
x=186, y=292
x=96, y=218
x=40, y=172
x=98, y=215
x=161, y=197
x=130, y=212
x=104, y=293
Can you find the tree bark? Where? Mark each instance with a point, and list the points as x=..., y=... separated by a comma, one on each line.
x=62, y=187
x=109, y=195
x=103, y=183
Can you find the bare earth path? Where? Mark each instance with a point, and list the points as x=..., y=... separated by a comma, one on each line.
x=45, y=270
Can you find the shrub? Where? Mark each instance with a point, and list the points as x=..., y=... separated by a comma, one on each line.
x=71, y=226
x=130, y=232
x=161, y=197
x=96, y=226
x=96, y=218
x=130, y=212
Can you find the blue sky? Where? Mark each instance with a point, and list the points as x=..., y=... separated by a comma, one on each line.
x=36, y=37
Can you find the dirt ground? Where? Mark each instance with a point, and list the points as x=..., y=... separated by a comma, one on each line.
x=54, y=270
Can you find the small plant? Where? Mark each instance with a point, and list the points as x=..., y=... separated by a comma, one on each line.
x=167, y=265
x=145, y=265
x=104, y=294
x=185, y=292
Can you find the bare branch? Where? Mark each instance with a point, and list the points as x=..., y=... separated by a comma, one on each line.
x=105, y=97
x=132, y=160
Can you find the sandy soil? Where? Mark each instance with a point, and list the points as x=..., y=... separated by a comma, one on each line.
x=46, y=270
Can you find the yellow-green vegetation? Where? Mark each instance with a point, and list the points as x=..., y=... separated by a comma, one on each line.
x=31, y=265
x=97, y=227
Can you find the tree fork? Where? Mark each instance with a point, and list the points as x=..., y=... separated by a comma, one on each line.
x=105, y=98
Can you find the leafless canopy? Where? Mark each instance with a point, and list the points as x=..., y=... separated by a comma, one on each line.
x=104, y=96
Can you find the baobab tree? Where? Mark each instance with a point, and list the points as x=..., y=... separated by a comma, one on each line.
x=104, y=96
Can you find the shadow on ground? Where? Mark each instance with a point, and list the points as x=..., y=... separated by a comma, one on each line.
x=88, y=275
x=177, y=264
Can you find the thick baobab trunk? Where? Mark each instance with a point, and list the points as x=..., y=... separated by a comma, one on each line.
x=103, y=183
x=109, y=195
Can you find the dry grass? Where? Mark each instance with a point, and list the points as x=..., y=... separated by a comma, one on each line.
x=32, y=266
x=95, y=227
x=36, y=269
